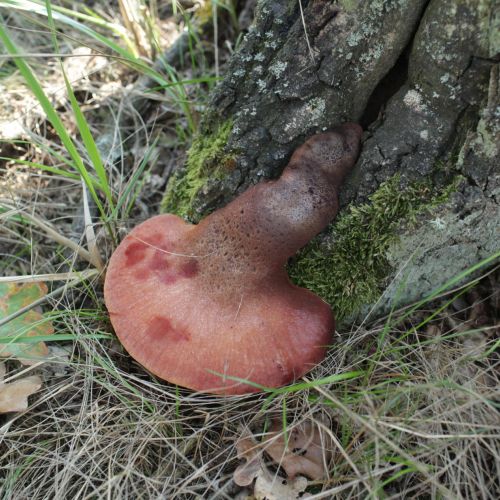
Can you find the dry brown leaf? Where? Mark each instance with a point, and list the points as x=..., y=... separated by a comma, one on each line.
x=306, y=453
x=480, y=324
x=268, y=486
x=14, y=396
x=271, y=487
x=249, y=450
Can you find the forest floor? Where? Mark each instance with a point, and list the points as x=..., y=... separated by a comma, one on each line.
x=90, y=130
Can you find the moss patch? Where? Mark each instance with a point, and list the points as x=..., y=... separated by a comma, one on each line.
x=349, y=5
x=206, y=160
x=352, y=270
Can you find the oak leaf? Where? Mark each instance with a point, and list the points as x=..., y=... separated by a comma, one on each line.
x=14, y=396
x=14, y=297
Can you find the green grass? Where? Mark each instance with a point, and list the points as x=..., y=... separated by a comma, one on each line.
x=53, y=117
x=85, y=162
x=127, y=55
x=167, y=80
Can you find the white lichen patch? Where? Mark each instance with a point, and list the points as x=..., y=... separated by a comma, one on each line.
x=449, y=83
x=278, y=68
x=436, y=251
x=424, y=134
x=486, y=140
x=381, y=6
x=445, y=78
x=450, y=29
x=259, y=57
x=312, y=111
x=291, y=127
x=316, y=108
x=261, y=84
x=414, y=100
x=271, y=44
x=365, y=31
x=438, y=223
x=354, y=39
x=373, y=54
x=377, y=6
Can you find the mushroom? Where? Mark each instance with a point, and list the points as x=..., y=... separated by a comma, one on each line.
x=210, y=306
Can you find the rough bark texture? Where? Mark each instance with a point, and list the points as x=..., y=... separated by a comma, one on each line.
x=422, y=77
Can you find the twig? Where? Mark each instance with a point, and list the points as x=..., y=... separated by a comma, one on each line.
x=311, y=53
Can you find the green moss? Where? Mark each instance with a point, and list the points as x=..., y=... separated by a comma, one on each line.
x=352, y=271
x=349, y=5
x=206, y=160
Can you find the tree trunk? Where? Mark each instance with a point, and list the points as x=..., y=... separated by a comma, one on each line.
x=422, y=203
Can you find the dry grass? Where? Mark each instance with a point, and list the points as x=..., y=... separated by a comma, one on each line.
x=423, y=420
x=420, y=421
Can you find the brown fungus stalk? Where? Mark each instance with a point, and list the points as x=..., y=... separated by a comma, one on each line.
x=206, y=305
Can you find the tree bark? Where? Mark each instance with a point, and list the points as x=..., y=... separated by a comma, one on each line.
x=422, y=78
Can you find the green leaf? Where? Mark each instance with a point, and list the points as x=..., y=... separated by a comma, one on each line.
x=29, y=325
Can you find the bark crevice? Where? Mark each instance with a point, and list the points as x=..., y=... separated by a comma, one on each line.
x=416, y=74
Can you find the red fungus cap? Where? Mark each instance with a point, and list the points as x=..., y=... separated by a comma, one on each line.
x=205, y=305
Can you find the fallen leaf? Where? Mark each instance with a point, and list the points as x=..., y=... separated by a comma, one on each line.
x=248, y=449
x=271, y=487
x=14, y=396
x=14, y=297
x=268, y=486
x=305, y=452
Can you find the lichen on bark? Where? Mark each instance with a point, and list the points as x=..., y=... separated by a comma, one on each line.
x=288, y=81
x=294, y=76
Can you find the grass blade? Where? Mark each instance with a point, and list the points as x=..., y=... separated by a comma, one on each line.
x=83, y=126
x=51, y=113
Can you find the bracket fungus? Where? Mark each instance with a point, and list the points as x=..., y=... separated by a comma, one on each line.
x=210, y=306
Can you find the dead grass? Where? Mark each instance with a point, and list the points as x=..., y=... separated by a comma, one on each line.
x=420, y=422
